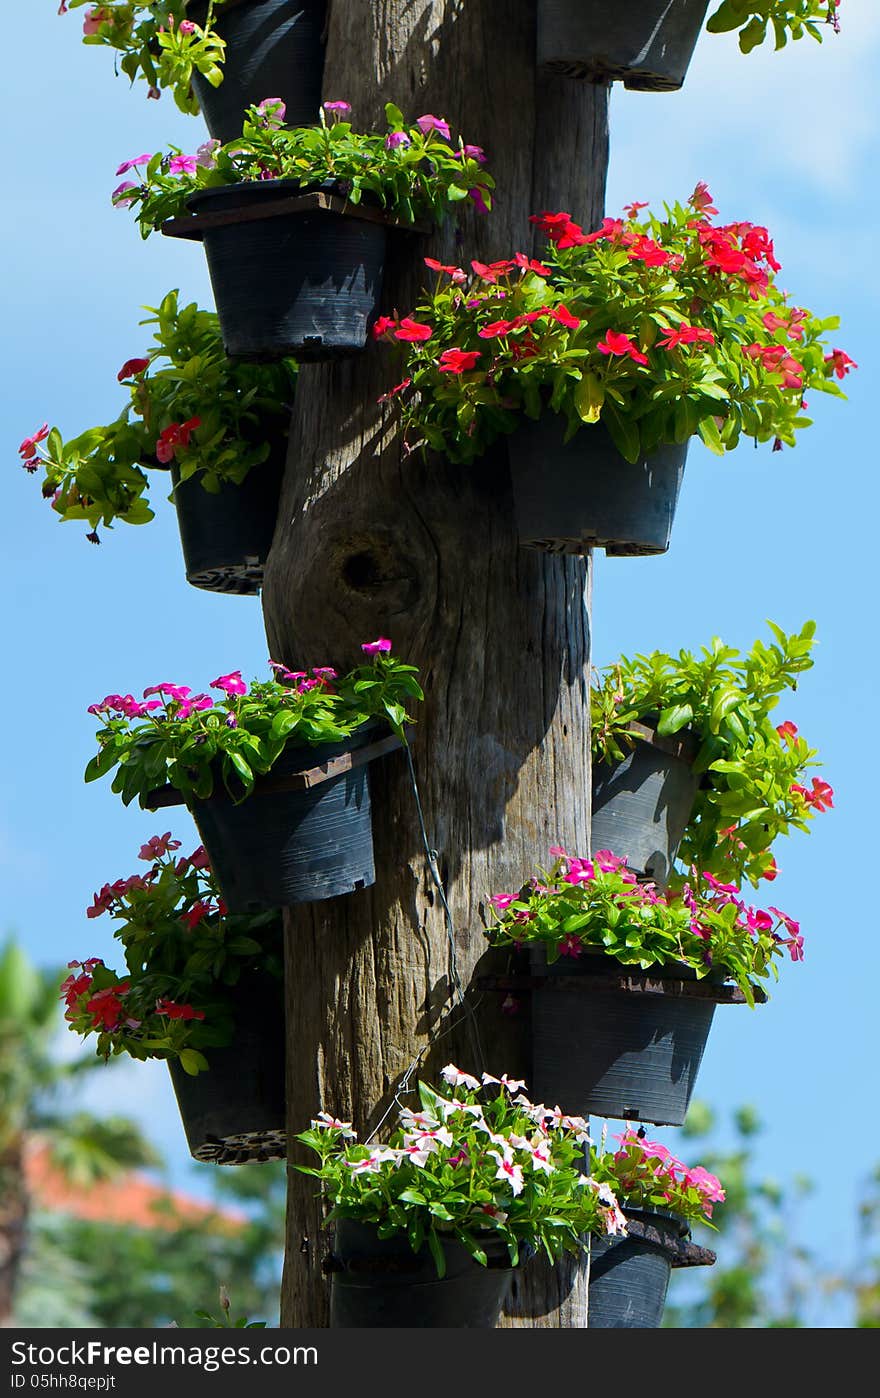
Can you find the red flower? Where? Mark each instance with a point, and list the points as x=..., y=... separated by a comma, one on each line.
x=644, y=249
x=106, y=1007
x=28, y=447
x=392, y=392
x=686, y=335
x=612, y=229
x=701, y=199
x=158, y=845
x=618, y=343
x=382, y=325
x=560, y=229
x=177, y=434
x=457, y=274
x=456, y=361
x=194, y=915
x=131, y=368
x=410, y=329
x=528, y=264
x=787, y=730
x=840, y=363
x=174, y=1011
x=498, y=327
x=563, y=316
x=821, y=797
x=103, y=902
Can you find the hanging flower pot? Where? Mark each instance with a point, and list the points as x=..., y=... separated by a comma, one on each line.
x=601, y=1048
x=226, y=534
x=293, y=273
x=645, y=44
x=379, y=1282
x=642, y=803
x=295, y=219
x=234, y=1111
x=296, y=839
x=573, y=496
x=272, y=47
x=629, y=1276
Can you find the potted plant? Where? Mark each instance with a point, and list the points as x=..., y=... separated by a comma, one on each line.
x=217, y=56
x=221, y=428
x=430, y=1224
x=604, y=359
x=627, y=978
x=274, y=775
x=688, y=759
x=661, y=1198
x=648, y=44
x=202, y=990
x=295, y=220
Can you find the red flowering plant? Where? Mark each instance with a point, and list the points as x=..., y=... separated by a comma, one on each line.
x=646, y=1175
x=185, y=958
x=757, y=20
x=414, y=170
x=479, y=1159
x=158, y=43
x=597, y=906
x=193, y=743
x=752, y=770
x=189, y=405
x=659, y=328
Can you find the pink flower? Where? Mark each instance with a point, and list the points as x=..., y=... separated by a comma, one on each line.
x=186, y=26
x=120, y=189
x=199, y=859
x=701, y=199
x=93, y=20
x=28, y=448
x=380, y=647
x=133, y=164
x=632, y=209
x=428, y=123
x=182, y=165
x=395, y=139
x=232, y=683
x=788, y=730
x=340, y=108
x=502, y=901
x=205, y=154
x=158, y=845
x=510, y=1005
x=579, y=871
x=273, y=111
x=840, y=363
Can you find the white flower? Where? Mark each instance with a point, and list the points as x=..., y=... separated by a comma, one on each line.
x=325, y=1122
x=615, y=1221
x=373, y=1163
x=494, y=1212
x=423, y=1120
x=456, y=1078
x=509, y=1172
x=541, y=1159
x=504, y=1081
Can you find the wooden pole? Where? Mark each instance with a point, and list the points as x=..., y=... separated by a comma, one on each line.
x=371, y=544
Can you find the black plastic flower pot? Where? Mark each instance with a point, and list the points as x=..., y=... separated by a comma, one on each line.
x=279, y=847
x=380, y=1282
x=629, y=1276
x=235, y=1112
x=226, y=535
x=602, y=1051
x=645, y=44
x=641, y=805
x=574, y=496
x=294, y=274
x=274, y=48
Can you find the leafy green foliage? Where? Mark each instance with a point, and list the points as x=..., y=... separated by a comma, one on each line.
x=781, y=20
x=186, y=959
x=660, y=328
x=414, y=171
x=751, y=790
x=482, y=1160
x=159, y=44
x=195, y=745
x=232, y=413
x=646, y=1175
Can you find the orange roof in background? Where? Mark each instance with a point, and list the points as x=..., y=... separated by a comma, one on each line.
x=129, y=1198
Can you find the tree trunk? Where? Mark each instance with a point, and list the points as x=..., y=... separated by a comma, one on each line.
x=14, y=1210
x=370, y=544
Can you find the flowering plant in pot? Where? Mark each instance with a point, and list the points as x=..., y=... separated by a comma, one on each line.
x=463, y=1190
x=604, y=359
x=202, y=989
x=609, y=1048
x=297, y=840
x=317, y=200
x=216, y=56
x=661, y=1197
x=740, y=785
x=221, y=428
x=648, y=44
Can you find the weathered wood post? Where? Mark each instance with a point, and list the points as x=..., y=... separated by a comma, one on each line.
x=370, y=543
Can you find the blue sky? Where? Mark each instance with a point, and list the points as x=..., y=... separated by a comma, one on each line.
x=789, y=140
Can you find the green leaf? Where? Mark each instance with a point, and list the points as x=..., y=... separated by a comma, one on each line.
x=437, y=1253
x=192, y=1062
x=673, y=719
x=588, y=396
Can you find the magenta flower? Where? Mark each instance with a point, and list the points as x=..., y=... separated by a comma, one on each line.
x=475, y=153
x=182, y=165
x=476, y=197
x=382, y=646
x=133, y=164
x=395, y=139
x=273, y=111
x=175, y=692
x=186, y=26
x=428, y=123
x=231, y=683
x=28, y=449
x=570, y=946
x=205, y=154
x=502, y=901
x=342, y=108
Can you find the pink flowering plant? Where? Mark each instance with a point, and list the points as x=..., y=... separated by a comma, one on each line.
x=414, y=170
x=184, y=956
x=660, y=328
x=477, y=1159
x=753, y=769
x=758, y=20
x=158, y=44
x=188, y=405
x=646, y=1175
x=598, y=907
x=196, y=743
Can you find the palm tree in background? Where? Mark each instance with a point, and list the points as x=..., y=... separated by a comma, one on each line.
x=86, y=1148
